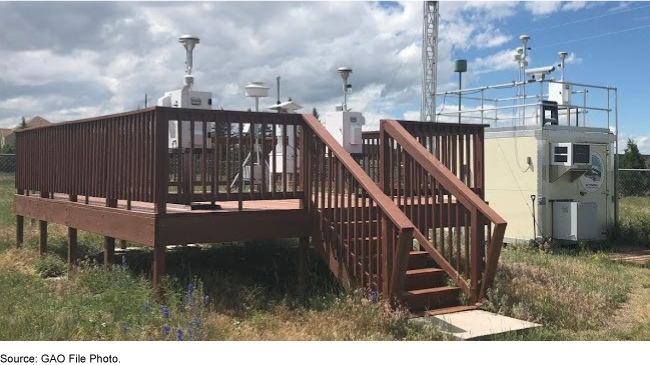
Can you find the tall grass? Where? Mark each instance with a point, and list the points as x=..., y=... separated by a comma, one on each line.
x=559, y=290
x=634, y=227
x=237, y=291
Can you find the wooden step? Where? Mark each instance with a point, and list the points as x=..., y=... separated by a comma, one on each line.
x=424, y=278
x=460, y=308
x=431, y=298
x=419, y=260
x=436, y=312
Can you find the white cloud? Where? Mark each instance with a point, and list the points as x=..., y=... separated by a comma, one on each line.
x=622, y=5
x=572, y=59
x=502, y=60
x=126, y=50
x=541, y=8
x=574, y=5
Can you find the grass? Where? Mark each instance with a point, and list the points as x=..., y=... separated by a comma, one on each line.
x=634, y=221
x=576, y=295
x=248, y=291
x=238, y=291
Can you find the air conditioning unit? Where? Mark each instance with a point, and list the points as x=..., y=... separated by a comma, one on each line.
x=570, y=154
x=567, y=157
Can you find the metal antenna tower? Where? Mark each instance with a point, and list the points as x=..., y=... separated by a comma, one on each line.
x=429, y=61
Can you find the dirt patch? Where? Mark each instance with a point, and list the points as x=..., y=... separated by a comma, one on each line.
x=631, y=254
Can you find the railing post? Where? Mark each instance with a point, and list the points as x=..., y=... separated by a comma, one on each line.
x=404, y=245
x=477, y=253
x=384, y=166
x=387, y=249
x=161, y=157
x=305, y=167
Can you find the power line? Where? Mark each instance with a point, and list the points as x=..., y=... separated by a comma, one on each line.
x=595, y=36
x=584, y=20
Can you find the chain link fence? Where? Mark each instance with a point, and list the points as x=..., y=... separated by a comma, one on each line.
x=7, y=166
x=634, y=182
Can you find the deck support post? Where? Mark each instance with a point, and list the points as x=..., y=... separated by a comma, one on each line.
x=303, y=262
x=72, y=246
x=42, y=225
x=72, y=240
x=109, y=242
x=158, y=267
x=42, y=242
x=20, y=223
x=20, y=226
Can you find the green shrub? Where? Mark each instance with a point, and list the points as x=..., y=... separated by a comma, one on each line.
x=51, y=266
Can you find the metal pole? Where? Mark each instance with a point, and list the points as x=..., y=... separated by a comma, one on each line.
x=584, y=108
x=482, y=106
x=460, y=94
x=616, y=155
x=345, y=95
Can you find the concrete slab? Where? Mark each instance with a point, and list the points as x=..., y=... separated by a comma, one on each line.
x=475, y=324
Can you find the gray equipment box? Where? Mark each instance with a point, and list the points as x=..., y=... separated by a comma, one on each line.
x=575, y=221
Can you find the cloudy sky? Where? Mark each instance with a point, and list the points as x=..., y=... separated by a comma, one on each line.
x=64, y=61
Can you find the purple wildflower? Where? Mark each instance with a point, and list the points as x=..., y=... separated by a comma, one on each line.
x=166, y=329
x=179, y=334
x=165, y=312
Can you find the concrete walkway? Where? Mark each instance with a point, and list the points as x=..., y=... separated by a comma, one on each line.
x=475, y=324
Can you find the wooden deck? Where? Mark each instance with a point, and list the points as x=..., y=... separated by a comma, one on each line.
x=271, y=219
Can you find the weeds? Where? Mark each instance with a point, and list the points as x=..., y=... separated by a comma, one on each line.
x=51, y=266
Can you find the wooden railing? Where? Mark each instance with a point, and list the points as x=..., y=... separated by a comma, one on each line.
x=111, y=156
x=358, y=229
x=453, y=224
x=237, y=156
x=165, y=155
x=370, y=154
x=458, y=146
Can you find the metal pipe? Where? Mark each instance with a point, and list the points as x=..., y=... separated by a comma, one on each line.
x=518, y=83
x=460, y=87
x=616, y=157
x=584, y=108
x=525, y=105
x=482, y=106
x=532, y=197
x=499, y=86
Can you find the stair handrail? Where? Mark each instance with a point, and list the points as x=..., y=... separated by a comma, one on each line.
x=463, y=194
x=384, y=203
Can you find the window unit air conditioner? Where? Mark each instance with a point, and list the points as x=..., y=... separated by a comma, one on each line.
x=567, y=157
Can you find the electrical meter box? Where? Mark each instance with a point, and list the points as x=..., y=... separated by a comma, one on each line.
x=560, y=93
x=345, y=127
x=575, y=221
